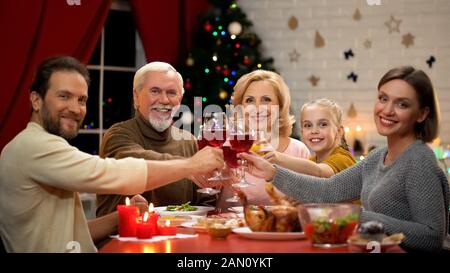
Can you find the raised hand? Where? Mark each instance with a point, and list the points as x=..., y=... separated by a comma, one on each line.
x=259, y=166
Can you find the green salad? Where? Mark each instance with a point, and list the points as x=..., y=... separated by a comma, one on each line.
x=182, y=207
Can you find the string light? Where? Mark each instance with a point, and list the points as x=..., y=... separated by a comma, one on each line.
x=259, y=65
x=206, y=70
x=214, y=58
x=223, y=33
x=214, y=33
x=233, y=37
x=204, y=99
x=225, y=79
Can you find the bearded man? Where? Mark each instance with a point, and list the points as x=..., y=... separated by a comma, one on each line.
x=157, y=93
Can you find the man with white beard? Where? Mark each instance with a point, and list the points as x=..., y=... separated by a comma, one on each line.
x=157, y=93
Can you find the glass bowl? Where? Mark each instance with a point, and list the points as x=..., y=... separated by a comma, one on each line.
x=218, y=228
x=329, y=225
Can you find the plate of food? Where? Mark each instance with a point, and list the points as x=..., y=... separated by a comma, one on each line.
x=182, y=210
x=175, y=220
x=239, y=209
x=201, y=223
x=247, y=233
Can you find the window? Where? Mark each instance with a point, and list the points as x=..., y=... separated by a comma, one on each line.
x=112, y=66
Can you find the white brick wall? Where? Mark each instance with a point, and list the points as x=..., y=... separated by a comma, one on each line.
x=427, y=20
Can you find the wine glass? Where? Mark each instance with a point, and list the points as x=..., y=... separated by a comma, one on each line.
x=241, y=140
x=230, y=157
x=213, y=133
x=262, y=144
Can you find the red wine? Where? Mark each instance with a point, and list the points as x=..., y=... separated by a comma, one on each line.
x=215, y=138
x=241, y=143
x=230, y=157
x=202, y=143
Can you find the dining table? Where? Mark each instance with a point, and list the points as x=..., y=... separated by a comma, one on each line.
x=234, y=243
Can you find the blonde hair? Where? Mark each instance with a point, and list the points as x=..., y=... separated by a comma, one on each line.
x=139, y=77
x=336, y=112
x=286, y=120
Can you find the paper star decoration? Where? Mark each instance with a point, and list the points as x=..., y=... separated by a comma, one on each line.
x=352, y=76
x=367, y=43
x=393, y=25
x=431, y=61
x=293, y=56
x=348, y=54
x=408, y=40
x=313, y=80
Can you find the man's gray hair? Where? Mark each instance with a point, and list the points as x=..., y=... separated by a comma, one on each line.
x=139, y=77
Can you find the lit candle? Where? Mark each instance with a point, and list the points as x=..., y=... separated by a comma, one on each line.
x=167, y=229
x=145, y=229
x=127, y=219
x=153, y=218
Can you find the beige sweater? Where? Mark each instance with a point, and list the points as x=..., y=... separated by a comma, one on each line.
x=40, y=177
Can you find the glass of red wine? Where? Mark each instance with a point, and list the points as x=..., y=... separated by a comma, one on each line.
x=213, y=133
x=241, y=140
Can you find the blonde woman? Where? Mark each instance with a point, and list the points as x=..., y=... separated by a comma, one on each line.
x=265, y=99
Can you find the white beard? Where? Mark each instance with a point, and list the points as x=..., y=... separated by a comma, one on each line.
x=160, y=125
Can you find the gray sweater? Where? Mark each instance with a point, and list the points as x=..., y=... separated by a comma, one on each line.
x=410, y=195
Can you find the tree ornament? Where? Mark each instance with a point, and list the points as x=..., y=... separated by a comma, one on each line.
x=293, y=23
x=351, y=113
x=393, y=25
x=357, y=15
x=189, y=61
x=223, y=94
x=408, y=40
x=235, y=28
x=207, y=27
x=318, y=40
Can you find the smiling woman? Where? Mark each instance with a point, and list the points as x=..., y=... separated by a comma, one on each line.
x=401, y=185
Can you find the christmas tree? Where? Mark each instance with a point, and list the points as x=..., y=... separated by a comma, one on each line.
x=225, y=48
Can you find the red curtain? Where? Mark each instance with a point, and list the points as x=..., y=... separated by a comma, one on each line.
x=166, y=27
x=32, y=31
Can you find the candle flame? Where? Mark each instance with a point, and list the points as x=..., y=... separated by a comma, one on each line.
x=145, y=217
x=127, y=201
x=150, y=208
x=167, y=223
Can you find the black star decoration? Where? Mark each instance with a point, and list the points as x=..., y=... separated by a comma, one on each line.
x=431, y=61
x=352, y=76
x=348, y=54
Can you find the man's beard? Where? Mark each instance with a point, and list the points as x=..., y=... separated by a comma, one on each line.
x=161, y=124
x=53, y=126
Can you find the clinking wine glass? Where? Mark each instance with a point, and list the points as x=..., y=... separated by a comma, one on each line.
x=241, y=140
x=213, y=133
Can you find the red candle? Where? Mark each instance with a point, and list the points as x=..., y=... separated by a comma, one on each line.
x=145, y=229
x=167, y=229
x=127, y=219
x=153, y=219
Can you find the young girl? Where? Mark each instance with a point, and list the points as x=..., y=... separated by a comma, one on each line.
x=400, y=185
x=323, y=133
